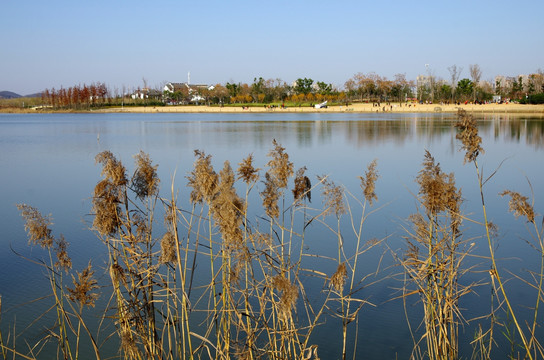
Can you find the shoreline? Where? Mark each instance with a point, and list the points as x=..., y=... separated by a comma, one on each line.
x=353, y=108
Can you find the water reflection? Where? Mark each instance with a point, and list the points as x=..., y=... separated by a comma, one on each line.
x=363, y=132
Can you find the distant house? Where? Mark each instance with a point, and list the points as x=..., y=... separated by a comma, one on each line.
x=193, y=90
x=173, y=87
x=146, y=93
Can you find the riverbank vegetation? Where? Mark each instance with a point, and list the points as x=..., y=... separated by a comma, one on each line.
x=361, y=87
x=228, y=273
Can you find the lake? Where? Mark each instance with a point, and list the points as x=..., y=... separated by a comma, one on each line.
x=48, y=161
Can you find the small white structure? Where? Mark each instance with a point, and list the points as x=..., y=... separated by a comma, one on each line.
x=322, y=105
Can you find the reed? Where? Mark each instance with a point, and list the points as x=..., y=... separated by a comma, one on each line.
x=227, y=276
x=471, y=144
x=433, y=260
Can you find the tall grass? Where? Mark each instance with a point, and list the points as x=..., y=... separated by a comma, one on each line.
x=217, y=280
x=434, y=265
x=434, y=258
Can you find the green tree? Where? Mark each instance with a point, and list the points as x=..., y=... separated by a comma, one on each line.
x=465, y=87
x=303, y=86
x=498, y=87
x=258, y=87
x=324, y=88
x=234, y=89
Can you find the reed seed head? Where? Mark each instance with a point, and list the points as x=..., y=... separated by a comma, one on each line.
x=303, y=186
x=105, y=208
x=82, y=292
x=437, y=189
x=519, y=205
x=281, y=169
x=289, y=295
x=203, y=179
x=246, y=171
x=108, y=194
x=145, y=181
x=37, y=226
x=112, y=168
x=468, y=135
x=228, y=208
x=333, y=196
x=270, y=196
x=168, y=249
x=338, y=279
x=368, y=182
x=63, y=260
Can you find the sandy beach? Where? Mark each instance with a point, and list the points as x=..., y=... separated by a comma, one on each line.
x=535, y=110
x=358, y=107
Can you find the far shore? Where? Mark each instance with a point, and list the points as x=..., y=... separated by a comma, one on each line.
x=355, y=108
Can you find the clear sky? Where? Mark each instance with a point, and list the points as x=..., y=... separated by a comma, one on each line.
x=46, y=44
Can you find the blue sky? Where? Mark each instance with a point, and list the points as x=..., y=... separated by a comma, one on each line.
x=46, y=44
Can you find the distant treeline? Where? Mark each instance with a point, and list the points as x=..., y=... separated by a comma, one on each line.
x=79, y=96
x=369, y=87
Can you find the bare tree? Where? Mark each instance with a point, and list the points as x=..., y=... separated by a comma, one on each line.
x=455, y=73
x=475, y=74
x=539, y=81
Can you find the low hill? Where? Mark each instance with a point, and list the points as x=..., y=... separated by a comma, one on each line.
x=8, y=95
x=35, y=95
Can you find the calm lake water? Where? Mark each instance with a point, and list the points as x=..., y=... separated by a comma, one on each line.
x=47, y=161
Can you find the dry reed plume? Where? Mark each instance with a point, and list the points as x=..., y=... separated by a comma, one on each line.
x=468, y=135
x=368, y=182
x=519, y=205
x=246, y=171
x=84, y=285
x=303, y=186
x=203, y=179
